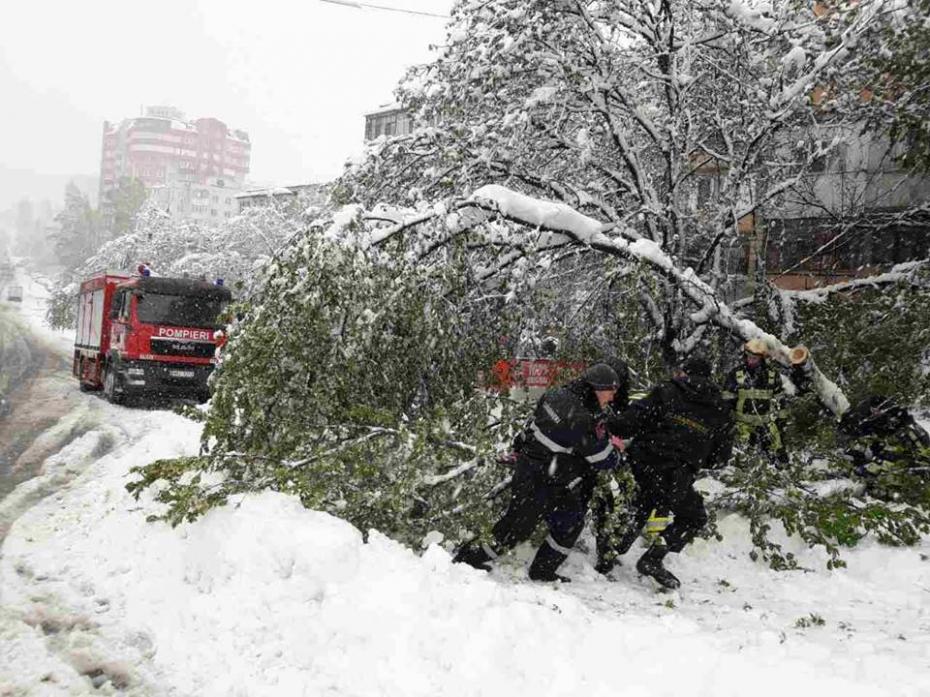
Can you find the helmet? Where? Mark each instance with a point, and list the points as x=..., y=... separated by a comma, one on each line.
x=622, y=371
x=696, y=366
x=621, y=398
x=601, y=376
x=757, y=347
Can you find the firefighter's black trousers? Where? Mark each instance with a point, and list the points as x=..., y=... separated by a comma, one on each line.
x=537, y=494
x=666, y=491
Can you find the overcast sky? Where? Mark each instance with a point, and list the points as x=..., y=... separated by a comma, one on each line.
x=298, y=75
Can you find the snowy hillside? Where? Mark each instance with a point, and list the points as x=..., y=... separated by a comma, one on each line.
x=264, y=597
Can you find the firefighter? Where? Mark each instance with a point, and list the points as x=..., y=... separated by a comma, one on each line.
x=756, y=395
x=680, y=427
x=884, y=441
x=564, y=442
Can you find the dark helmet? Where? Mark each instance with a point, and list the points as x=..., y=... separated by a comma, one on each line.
x=696, y=366
x=622, y=371
x=621, y=399
x=601, y=376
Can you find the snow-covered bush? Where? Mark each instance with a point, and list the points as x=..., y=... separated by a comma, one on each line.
x=822, y=505
x=234, y=250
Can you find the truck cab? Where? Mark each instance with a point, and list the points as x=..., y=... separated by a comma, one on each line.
x=147, y=336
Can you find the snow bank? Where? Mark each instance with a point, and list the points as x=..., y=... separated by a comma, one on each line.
x=264, y=597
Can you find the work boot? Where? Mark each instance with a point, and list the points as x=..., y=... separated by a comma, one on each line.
x=650, y=564
x=473, y=555
x=605, y=566
x=546, y=561
x=547, y=576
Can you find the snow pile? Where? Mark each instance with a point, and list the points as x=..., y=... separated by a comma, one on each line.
x=264, y=597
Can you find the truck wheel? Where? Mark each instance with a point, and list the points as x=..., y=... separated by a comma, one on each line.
x=110, y=377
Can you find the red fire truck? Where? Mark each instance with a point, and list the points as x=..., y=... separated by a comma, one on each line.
x=147, y=336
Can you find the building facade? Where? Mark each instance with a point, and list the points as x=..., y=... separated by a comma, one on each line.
x=294, y=196
x=389, y=120
x=192, y=169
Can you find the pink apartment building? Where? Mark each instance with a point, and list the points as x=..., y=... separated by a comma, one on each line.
x=193, y=169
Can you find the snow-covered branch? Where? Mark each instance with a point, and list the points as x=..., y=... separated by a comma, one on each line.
x=901, y=273
x=561, y=219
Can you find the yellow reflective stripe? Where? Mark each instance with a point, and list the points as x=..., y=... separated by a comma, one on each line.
x=744, y=431
x=755, y=393
x=753, y=419
x=656, y=524
x=775, y=434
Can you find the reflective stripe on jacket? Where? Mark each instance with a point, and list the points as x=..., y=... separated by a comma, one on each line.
x=756, y=396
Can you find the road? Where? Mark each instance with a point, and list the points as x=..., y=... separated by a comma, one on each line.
x=37, y=396
x=46, y=410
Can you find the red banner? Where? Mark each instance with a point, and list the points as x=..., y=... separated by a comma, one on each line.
x=532, y=373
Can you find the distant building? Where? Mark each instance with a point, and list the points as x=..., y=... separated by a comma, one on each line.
x=303, y=195
x=389, y=120
x=193, y=169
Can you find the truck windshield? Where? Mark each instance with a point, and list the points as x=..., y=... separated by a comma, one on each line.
x=179, y=310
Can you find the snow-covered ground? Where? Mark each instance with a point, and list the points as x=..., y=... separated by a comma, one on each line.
x=264, y=597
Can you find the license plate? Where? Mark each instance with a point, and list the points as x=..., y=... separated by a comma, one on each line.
x=181, y=373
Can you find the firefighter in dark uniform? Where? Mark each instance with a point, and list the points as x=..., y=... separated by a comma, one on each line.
x=756, y=395
x=682, y=426
x=884, y=441
x=562, y=446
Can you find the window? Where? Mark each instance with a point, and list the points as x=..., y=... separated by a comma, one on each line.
x=121, y=304
x=815, y=242
x=703, y=191
x=181, y=310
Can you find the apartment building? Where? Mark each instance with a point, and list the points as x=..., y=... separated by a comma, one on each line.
x=192, y=169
